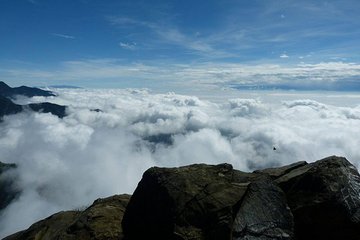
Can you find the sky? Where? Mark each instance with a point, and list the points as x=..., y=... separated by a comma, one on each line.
x=286, y=44
x=182, y=49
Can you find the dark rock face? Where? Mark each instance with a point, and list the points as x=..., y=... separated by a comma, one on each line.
x=300, y=201
x=7, y=107
x=263, y=214
x=100, y=221
x=46, y=107
x=8, y=191
x=325, y=199
x=202, y=202
x=160, y=138
x=7, y=91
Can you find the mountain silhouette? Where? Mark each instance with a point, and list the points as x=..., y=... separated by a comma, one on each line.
x=8, y=107
x=7, y=91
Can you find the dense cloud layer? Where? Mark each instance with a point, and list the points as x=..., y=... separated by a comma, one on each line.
x=67, y=163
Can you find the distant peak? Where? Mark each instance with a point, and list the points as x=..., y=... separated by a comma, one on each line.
x=7, y=91
x=3, y=85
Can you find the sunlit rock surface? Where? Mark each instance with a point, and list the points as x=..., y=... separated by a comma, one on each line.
x=100, y=221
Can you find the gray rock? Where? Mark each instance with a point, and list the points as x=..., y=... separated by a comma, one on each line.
x=263, y=214
x=100, y=221
x=275, y=173
x=324, y=198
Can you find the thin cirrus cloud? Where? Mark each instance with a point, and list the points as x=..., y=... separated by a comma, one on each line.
x=170, y=34
x=234, y=31
x=326, y=74
x=63, y=36
x=236, y=37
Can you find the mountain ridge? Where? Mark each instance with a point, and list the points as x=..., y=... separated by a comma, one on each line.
x=8, y=107
x=7, y=91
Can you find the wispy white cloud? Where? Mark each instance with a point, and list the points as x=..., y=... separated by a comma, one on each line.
x=284, y=55
x=195, y=74
x=284, y=22
x=169, y=34
x=128, y=46
x=277, y=25
x=125, y=22
x=63, y=36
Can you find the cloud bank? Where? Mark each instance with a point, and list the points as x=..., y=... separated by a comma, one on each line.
x=115, y=72
x=67, y=163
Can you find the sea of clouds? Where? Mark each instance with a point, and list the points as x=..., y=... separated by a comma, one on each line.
x=110, y=137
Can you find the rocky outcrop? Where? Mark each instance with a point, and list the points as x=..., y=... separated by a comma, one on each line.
x=100, y=221
x=324, y=198
x=320, y=200
x=204, y=202
x=263, y=214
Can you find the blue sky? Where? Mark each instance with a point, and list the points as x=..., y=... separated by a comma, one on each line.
x=97, y=43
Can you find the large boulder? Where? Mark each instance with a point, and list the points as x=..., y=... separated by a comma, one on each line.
x=100, y=221
x=324, y=198
x=263, y=214
x=206, y=202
